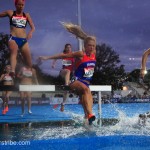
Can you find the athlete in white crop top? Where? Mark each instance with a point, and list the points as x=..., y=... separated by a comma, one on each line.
x=6, y=79
x=27, y=76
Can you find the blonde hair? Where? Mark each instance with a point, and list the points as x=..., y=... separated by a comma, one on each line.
x=78, y=32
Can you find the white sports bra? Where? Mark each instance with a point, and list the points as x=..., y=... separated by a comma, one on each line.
x=26, y=72
x=7, y=78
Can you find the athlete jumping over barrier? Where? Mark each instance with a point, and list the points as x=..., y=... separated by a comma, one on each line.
x=66, y=72
x=18, y=37
x=84, y=63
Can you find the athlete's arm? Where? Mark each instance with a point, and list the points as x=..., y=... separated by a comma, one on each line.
x=31, y=26
x=6, y=13
x=2, y=77
x=77, y=54
x=143, y=64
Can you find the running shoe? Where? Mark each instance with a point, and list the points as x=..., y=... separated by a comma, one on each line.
x=91, y=118
x=6, y=109
x=55, y=106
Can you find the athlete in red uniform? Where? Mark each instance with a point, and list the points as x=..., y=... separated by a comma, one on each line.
x=85, y=68
x=66, y=71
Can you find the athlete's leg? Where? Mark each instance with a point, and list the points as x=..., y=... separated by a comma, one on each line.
x=4, y=102
x=13, y=54
x=8, y=93
x=85, y=113
x=65, y=74
x=65, y=96
x=85, y=94
x=29, y=94
x=22, y=98
x=27, y=54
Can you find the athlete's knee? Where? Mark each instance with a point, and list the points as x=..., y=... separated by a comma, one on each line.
x=85, y=90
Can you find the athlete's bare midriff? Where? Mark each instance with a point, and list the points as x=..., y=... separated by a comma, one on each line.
x=18, y=32
x=26, y=81
x=8, y=83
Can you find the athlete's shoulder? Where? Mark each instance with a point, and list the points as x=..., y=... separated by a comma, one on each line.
x=9, y=12
x=27, y=14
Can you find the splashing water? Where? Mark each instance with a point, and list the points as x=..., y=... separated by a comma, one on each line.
x=122, y=124
x=125, y=126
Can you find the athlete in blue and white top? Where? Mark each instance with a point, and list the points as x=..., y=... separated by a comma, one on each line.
x=85, y=68
x=18, y=37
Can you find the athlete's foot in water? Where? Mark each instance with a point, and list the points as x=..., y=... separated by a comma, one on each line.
x=91, y=118
x=30, y=112
x=22, y=114
x=62, y=107
x=85, y=121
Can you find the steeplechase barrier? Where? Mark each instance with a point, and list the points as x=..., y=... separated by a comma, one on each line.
x=53, y=88
x=58, y=88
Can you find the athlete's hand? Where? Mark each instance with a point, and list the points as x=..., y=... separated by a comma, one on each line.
x=142, y=73
x=29, y=36
x=42, y=58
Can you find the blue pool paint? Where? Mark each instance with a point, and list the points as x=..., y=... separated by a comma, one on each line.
x=47, y=113
x=92, y=143
x=125, y=135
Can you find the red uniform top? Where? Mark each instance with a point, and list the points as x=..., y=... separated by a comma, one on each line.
x=68, y=63
x=85, y=67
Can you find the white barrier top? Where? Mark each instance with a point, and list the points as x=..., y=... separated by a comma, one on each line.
x=52, y=88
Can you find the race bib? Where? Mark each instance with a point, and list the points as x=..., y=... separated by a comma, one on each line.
x=66, y=62
x=19, y=21
x=88, y=72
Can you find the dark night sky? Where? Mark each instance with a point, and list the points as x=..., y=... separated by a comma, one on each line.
x=123, y=25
